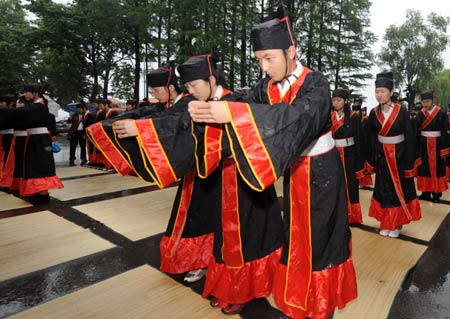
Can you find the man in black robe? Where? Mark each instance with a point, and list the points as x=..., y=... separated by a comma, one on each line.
x=284, y=129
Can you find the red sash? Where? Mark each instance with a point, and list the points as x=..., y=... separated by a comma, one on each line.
x=296, y=291
x=212, y=145
x=180, y=221
x=336, y=124
x=429, y=117
x=231, y=228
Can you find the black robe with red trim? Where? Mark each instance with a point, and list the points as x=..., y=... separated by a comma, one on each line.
x=268, y=136
x=366, y=180
x=431, y=175
x=88, y=120
x=38, y=163
x=352, y=160
x=163, y=152
x=7, y=142
x=447, y=161
x=188, y=241
x=249, y=231
x=95, y=155
x=394, y=202
x=19, y=150
x=126, y=155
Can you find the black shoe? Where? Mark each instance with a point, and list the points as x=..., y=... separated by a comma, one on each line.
x=72, y=164
x=436, y=197
x=425, y=196
x=83, y=162
x=38, y=199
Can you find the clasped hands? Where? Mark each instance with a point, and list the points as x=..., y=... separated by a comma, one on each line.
x=205, y=112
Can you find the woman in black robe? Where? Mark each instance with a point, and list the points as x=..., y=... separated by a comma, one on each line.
x=394, y=159
x=346, y=129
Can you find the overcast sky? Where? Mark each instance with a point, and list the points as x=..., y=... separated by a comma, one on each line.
x=385, y=13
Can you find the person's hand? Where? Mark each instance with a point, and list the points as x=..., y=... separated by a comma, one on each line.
x=209, y=112
x=125, y=128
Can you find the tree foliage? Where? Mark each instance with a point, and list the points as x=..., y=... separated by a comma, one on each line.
x=15, y=58
x=89, y=48
x=413, y=51
x=441, y=86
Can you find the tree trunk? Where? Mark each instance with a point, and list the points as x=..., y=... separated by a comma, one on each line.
x=106, y=83
x=94, y=73
x=338, y=49
x=159, y=37
x=137, y=69
x=321, y=35
x=309, y=51
x=169, y=30
x=243, y=63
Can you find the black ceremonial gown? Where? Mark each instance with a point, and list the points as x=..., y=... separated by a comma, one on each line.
x=433, y=141
x=6, y=157
x=95, y=155
x=38, y=163
x=274, y=135
x=366, y=180
x=249, y=233
x=348, y=133
x=162, y=152
x=394, y=201
x=105, y=140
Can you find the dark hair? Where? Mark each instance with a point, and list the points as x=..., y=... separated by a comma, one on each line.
x=133, y=102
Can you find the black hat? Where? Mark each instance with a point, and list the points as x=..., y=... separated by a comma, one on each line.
x=357, y=100
x=81, y=105
x=32, y=87
x=427, y=95
x=273, y=33
x=163, y=76
x=104, y=102
x=342, y=93
x=357, y=103
x=385, y=80
x=8, y=98
x=364, y=108
x=132, y=102
x=199, y=67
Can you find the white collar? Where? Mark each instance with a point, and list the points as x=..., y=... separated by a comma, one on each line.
x=290, y=79
x=387, y=113
x=432, y=109
x=218, y=95
x=179, y=96
x=338, y=116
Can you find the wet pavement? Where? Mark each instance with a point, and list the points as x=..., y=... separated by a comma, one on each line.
x=425, y=292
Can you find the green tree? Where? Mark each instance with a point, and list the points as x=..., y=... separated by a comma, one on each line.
x=441, y=86
x=15, y=57
x=413, y=50
x=55, y=46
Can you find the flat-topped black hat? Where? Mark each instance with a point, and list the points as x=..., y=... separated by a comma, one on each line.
x=163, y=76
x=342, y=93
x=32, y=87
x=427, y=95
x=8, y=98
x=357, y=103
x=199, y=67
x=273, y=33
x=385, y=80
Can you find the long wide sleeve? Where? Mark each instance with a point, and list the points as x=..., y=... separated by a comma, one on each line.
x=266, y=139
